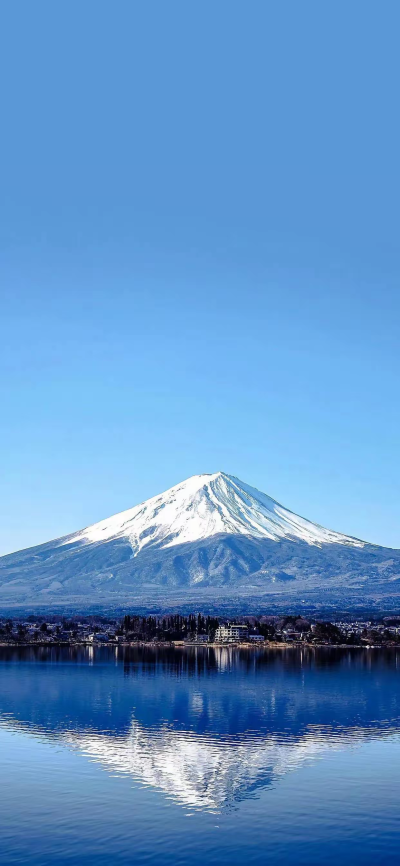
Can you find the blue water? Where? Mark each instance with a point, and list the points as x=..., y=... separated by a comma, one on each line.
x=142, y=756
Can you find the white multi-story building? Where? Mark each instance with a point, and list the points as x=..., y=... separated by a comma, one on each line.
x=101, y=637
x=231, y=633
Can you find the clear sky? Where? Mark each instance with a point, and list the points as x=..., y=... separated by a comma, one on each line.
x=199, y=257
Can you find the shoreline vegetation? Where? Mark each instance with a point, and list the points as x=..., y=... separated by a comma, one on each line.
x=199, y=631
x=267, y=645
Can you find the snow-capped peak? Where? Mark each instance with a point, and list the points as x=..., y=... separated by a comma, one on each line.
x=203, y=506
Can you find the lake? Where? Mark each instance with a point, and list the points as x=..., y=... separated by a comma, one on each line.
x=199, y=756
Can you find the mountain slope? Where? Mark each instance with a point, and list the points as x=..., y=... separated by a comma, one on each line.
x=210, y=540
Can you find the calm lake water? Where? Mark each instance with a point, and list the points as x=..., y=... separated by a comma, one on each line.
x=142, y=756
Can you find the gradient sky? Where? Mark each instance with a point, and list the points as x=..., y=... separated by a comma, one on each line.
x=199, y=258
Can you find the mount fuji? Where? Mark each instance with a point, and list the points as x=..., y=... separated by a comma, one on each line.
x=211, y=542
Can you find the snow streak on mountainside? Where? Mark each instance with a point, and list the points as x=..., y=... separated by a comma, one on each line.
x=207, y=505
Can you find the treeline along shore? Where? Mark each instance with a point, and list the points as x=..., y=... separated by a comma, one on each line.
x=198, y=630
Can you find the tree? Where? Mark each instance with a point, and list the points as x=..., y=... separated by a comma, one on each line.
x=328, y=632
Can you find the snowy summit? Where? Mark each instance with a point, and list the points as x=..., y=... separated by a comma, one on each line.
x=203, y=506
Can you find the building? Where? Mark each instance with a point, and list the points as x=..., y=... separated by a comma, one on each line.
x=231, y=633
x=290, y=634
x=256, y=638
x=197, y=639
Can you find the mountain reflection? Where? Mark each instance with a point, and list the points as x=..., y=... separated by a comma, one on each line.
x=207, y=727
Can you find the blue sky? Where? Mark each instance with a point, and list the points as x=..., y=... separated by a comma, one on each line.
x=199, y=258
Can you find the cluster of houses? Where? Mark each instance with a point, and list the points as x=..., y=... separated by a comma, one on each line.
x=48, y=632
x=363, y=627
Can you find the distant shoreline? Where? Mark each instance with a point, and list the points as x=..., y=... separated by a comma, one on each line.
x=175, y=645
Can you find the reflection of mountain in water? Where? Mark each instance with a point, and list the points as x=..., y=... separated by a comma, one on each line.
x=208, y=729
x=203, y=773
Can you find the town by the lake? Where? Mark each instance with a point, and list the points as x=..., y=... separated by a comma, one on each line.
x=199, y=630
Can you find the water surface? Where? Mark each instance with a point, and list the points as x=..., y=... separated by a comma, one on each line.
x=199, y=756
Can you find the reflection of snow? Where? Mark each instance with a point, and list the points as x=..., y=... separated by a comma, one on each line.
x=202, y=771
x=198, y=771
